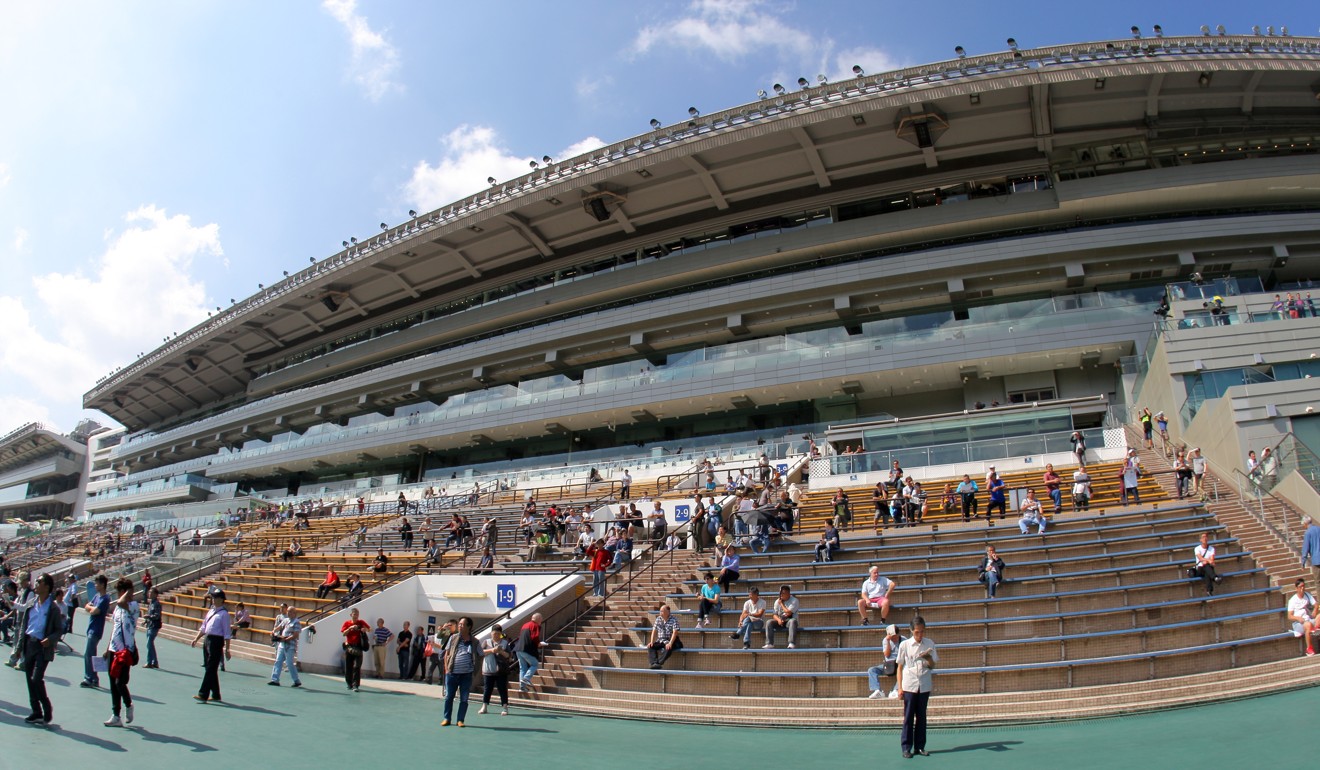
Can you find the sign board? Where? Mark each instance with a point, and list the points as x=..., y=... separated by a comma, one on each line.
x=682, y=513
x=506, y=596
x=783, y=469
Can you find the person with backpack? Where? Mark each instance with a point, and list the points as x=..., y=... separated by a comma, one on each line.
x=122, y=653
x=496, y=663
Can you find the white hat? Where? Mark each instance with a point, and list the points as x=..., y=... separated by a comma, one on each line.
x=891, y=630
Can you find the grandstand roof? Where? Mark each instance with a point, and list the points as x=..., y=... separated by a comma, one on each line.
x=31, y=442
x=816, y=146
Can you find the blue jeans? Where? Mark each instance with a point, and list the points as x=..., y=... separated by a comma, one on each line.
x=1025, y=525
x=152, y=660
x=460, y=685
x=89, y=652
x=1057, y=496
x=740, y=528
x=283, y=657
x=873, y=675
x=527, y=666
x=748, y=626
x=992, y=581
x=598, y=582
x=760, y=544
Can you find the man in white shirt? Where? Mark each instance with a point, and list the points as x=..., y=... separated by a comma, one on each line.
x=916, y=660
x=1301, y=611
x=625, y=485
x=285, y=635
x=875, y=593
x=785, y=616
x=752, y=618
x=1205, y=564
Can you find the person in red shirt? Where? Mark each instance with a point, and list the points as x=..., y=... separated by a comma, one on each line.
x=330, y=583
x=1052, y=480
x=354, y=631
x=601, y=558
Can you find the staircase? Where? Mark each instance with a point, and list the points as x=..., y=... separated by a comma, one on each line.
x=587, y=641
x=1278, y=558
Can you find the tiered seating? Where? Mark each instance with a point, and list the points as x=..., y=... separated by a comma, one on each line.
x=816, y=506
x=1102, y=599
x=264, y=584
x=321, y=532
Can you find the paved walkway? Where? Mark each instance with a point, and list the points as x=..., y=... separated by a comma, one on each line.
x=324, y=725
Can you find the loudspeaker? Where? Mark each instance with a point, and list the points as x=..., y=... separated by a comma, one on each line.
x=330, y=303
x=598, y=210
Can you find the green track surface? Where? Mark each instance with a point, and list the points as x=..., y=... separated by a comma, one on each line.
x=323, y=725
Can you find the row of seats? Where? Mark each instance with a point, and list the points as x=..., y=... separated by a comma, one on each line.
x=1103, y=598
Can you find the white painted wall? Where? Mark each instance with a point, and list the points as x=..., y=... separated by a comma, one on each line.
x=821, y=480
x=427, y=599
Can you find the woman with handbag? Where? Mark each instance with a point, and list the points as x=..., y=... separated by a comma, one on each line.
x=122, y=653
x=462, y=660
x=356, y=633
x=496, y=663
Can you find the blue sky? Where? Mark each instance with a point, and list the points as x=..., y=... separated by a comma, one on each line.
x=158, y=158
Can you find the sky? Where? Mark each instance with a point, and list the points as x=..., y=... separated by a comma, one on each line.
x=160, y=158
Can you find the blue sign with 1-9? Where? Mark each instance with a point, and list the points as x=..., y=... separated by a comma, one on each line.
x=682, y=513
x=506, y=596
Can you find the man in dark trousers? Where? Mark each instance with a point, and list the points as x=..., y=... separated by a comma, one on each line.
x=42, y=629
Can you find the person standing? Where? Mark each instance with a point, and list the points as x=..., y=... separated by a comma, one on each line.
x=42, y=629
x=70, y=602
x=380, y=649
x=496, y=662
x=403, y=648
x=354, y=631
x=915, y=661
x=217, y=630
x=462, y=660
x=154, y=621
x=529, y=652
x=22, y=604
x=287, y=630
x=123, y=653
x=97, y=608
x=625, y=485
x=417, y=655
x=600, y=562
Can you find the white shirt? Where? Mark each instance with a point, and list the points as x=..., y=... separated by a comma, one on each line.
x=123, y=622
x=754, y=609
x=1301, y=606
x=1204, y=554
x=1031, y=509
x=874, y=589
x=916, y=668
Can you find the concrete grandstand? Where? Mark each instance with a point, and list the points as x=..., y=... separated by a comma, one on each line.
x=951, y=268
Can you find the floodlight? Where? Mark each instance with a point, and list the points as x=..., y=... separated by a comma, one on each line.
x=858, y=71
x=655, y=123
x=962, y=52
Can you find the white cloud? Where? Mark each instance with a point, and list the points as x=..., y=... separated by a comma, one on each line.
x=375, y=59
x=4, y=175
x=471, y=154
x=586, y=87
x=16, y=411
x=80, y=326
x=730, y=29
x=20, y=238
x=736, y=29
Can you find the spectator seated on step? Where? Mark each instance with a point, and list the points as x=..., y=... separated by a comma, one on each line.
x=381, y=564
x=752, y=617
x=990, y=570
x=888, y=666
x=353, y=594
x=1032, y=514
x=828, y=544
x=875, y=595
x=539, y=547
x=623, y=548
x=785, y=616
x=664, y=639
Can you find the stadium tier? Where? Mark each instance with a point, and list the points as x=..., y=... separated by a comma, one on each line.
x=1097, y=255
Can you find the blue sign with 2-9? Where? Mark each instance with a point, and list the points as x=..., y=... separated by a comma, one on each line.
x=506, y=596
x=682, y=513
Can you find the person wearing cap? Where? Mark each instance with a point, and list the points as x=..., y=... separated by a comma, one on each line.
x=217, y=631
x=887, y=667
